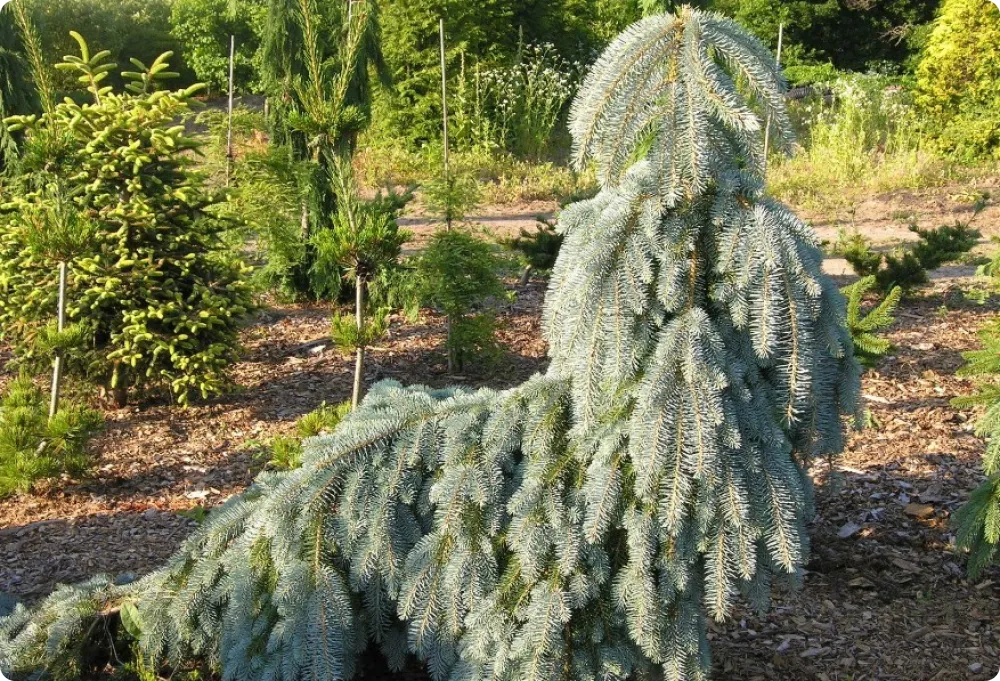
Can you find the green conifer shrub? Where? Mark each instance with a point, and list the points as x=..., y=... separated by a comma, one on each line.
x=587, y=523
x=285, y=451
x=907, y=268
x=458, y=273
x=364, y=243
x=865, y=324
x=978, y=522
x=858, y=252
x=33, y=446
x=160, y=301
x=539, y=248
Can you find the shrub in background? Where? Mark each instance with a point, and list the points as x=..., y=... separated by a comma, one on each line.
x=17, y=94
x=540, y=248
x=160, y=300
x=515, y=108
x=978, y=522
x=138, y=29
x=285, y=451
x=861, y=132
x=202, y=29
x=958, y=79
x=908, y=267
x=33, y=446
x=364, y=243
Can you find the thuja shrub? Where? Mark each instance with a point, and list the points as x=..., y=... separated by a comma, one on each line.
x=155, y=297
x=587, y=523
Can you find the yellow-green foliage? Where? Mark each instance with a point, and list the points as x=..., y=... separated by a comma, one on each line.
x=152, y=293
x=958, y=80
x=285, y=451
x=33, y=446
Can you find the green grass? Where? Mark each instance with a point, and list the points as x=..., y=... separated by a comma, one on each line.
x=865, y=139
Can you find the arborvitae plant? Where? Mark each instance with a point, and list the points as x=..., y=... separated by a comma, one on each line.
x=160, y=301
x=586, y=524
x=865, y=325
x=34, y=446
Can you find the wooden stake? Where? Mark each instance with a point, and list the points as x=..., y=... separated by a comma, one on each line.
x=229, y=133
x=57, y=365
x=444, y=110
x=767, y=130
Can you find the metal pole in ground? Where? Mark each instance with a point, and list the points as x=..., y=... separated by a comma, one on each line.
x=229, y=133
x=57, y=366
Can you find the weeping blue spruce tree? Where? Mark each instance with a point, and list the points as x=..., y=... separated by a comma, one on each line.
x=586, y=524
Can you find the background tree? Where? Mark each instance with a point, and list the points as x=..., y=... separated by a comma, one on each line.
x=17, y=96
x=364, y=242
x=137, y=29
x=203, y=27
x=316, y=66
x=958, y=80
x=586, y=523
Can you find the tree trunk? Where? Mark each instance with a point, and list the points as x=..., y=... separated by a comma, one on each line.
x=526, y=276
x=359, y=363
x=450, y=346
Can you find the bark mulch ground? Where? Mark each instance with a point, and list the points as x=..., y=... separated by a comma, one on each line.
x=884, y=596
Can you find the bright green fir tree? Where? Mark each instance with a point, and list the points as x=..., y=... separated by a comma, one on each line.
x=586, y=524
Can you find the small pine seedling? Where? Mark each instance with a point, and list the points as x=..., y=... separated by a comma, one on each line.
x=864, y=326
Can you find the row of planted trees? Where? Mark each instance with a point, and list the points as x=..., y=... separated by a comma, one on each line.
x=156, y=298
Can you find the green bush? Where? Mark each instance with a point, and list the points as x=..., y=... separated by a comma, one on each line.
x=285, y=451
x=33, y=446
x=944, y=244
x=907, y=268
x=458, y=274
x=539, y=248
x=17, y=94
x=137, y=29
x=978, y=522
x=865, y=136
x=958, y=79
x=515, y=107
x=852, y=35
x=158, y=298
x=857, y=251
x=203, y=27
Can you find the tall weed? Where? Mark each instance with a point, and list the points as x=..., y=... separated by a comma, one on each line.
x=860, y=135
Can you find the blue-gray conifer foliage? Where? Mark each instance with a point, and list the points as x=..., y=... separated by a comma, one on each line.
x=586, y=524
